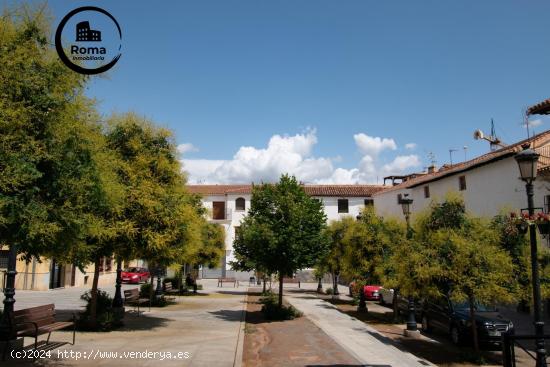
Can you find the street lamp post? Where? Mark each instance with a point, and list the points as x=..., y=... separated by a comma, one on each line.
x=118, y=303
x=412, y=329
x=9, y=293
x=158, y=290
x=527, y=161
x=362, y=307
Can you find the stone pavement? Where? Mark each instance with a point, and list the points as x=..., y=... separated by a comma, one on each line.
x=209, y=327
x=363, y=342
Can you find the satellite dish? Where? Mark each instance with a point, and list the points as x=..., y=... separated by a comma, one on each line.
x=478, y=134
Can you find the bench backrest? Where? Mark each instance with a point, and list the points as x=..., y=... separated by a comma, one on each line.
x=41, y=315
x=168, y=286
x=290, y=280
x=131, y=294
x=228, y=279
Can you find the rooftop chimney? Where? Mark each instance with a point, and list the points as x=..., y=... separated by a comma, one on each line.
x=432, y=168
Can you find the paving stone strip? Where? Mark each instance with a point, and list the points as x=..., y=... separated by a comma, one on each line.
x=362, y=341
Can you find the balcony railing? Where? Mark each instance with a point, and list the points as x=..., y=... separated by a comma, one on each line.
x=228, y=215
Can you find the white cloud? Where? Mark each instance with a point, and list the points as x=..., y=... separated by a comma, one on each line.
x=533, y=123
x=373, y=145
x=402, y=163
x=410, y=146
x=293, y=155
x=186, y=147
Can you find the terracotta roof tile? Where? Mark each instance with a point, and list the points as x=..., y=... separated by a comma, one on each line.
x=536, y=141
x=541, y=108
x=313, y=190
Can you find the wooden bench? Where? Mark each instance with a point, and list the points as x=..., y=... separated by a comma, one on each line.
x=228, y=280
x=292, y=281
x=170, y=291
x=132, y=298
x=35, y=321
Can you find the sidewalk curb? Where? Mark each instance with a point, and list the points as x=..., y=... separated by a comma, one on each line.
x=238, y=361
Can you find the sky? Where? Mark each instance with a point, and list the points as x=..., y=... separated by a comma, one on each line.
x=330, y=91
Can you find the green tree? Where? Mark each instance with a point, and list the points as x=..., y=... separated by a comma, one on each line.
x=166, y=217
x=468, y=261
x=333, y=259
x=282, y=232
x=366, y=243
x=51, y=187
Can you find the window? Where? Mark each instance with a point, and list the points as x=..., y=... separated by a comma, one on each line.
x=237, y=231
x=399, y=197
x=369, y=202
x=343, y=206
x=462, y=183
x=426, y=191
x=218, y=210
x=546, y=204
x=240, y=204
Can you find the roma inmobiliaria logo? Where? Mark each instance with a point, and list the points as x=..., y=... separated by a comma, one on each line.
x=89, y=40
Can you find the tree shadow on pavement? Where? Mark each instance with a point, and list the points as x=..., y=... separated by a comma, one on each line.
x=228, y=315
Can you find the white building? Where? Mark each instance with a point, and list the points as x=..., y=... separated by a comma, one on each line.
x=488, y=183
x=228, y=204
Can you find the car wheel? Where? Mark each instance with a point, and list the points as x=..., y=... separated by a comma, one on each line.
x=455, y=336
x=425, y=324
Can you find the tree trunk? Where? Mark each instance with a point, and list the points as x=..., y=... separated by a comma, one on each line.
x=395, y=304
x=473, y=324
x=93, y=300
x=264, y=281
x=280, y=290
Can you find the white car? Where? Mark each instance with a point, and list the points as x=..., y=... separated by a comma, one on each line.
x=386, y=296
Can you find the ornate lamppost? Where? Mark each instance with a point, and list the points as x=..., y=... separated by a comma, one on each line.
x=6, y=332
x=362, y=307
x=118, y=303
x=527, y=161
x=412, y=329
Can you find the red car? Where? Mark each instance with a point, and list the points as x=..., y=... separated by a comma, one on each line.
x=135, y=275
x=372, y=292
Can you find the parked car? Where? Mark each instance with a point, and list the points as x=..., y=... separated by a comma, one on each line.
x=371, y=291
x=454, y=319
x=135, y=275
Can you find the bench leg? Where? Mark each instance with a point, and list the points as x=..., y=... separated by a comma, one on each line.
x=48, y=340
x=138, y=308
x=74, y=332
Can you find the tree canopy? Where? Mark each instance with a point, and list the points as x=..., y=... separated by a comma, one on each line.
x=282, y=231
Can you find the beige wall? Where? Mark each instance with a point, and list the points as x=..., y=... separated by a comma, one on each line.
x=35, y=275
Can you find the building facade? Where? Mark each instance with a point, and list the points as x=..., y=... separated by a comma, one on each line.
x=227, y=205
x=489, y=183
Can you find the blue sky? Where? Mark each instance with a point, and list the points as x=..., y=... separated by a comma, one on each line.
x=230, y=74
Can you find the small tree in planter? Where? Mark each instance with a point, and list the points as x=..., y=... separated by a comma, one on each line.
x=282, y=232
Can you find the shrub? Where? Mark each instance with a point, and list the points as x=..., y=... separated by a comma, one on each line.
x=272, y=311
x=329, y=291
x=105, y=316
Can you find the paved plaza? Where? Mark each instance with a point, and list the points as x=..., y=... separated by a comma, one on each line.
x=206, y=330
x=208, y=327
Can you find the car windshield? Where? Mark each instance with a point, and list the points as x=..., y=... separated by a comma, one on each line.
x=132, y=270
x=478, y=307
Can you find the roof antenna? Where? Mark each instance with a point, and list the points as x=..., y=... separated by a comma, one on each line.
x=431, y=157
x=527, y=125
x=451, y=151
x=465, y=152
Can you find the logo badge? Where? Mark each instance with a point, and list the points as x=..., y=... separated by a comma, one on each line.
x=88, y=40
